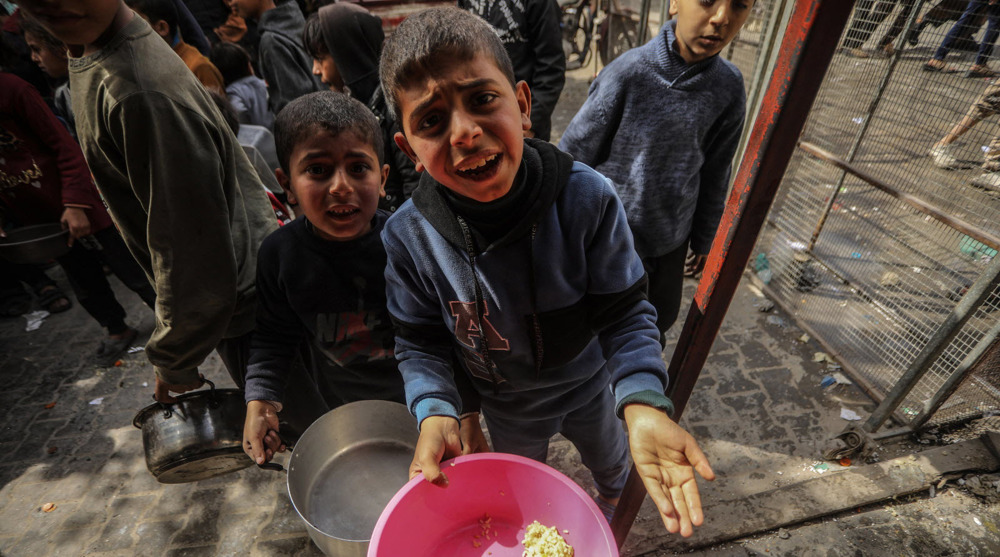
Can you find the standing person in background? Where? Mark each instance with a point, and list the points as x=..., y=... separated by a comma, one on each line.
x=662, y=122
x=345, y=42
x=247, y=92
x=50, y=55
x=966, y=20
x=44, y=179
x=162, y=17
x=530, y=32
x=283, y=62
x=183, y=193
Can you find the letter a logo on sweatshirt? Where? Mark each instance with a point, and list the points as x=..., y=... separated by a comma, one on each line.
x=466, y=330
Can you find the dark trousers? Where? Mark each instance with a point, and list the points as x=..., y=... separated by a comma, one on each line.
x=898, y=23
x=302, y=403
x=85, y=272
x=13, y=274
x=666, y=284
x=967, y=20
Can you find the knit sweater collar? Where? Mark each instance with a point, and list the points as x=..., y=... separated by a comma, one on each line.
x=672, y=65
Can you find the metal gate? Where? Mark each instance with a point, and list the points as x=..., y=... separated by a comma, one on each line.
x=871, y=244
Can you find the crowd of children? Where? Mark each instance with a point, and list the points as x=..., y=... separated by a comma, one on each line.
x=445, y=255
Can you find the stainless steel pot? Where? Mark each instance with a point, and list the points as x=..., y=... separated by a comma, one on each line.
x=198, y=437
x=346, y=467
x=38, y=243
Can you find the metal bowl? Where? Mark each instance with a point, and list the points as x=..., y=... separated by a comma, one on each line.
x=38, y=243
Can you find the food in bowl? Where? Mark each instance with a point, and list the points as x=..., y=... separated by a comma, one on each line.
x=544, y=541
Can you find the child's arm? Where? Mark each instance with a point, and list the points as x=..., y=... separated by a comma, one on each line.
x=273, y=347
x=714, y=178
x=589, y=135
x=425, y=354
x=188, y=228
x=665, y=455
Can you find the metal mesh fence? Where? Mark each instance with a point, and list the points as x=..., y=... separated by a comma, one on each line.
x=874, y=259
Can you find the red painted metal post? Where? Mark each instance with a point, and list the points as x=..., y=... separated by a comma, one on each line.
x=806, y=50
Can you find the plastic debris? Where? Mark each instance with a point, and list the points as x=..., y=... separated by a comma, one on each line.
x=135, y=349
x=849, y=415
x=775, y=320
x=858, y=120
x=48, y=507
x=820, y=467
x=856, y=255
x=765, y=306
x=845, y=462
x=910, y=411
x=840, y=378
x=35, y=319
x=977, y=521
x=827, y=381
x=889, y=279
x=97, y=401
x=763, y=267
x=119, y=363
x=50, y=406
x=783, y=534
x=145, y=384
x=804, y=338
x=821, y=357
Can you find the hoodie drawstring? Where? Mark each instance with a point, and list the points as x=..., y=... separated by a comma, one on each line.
x=484, y=350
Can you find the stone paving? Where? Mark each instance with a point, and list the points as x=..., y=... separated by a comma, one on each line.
x=758, y=411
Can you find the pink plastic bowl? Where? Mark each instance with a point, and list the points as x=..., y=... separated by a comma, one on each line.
x=424, y=520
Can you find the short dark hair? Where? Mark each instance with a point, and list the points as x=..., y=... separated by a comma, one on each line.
x=157, y=10
x=231, y=59
x=432, y=38
x=227, y=110
x=32, y=27
x=312, y=37
x=328, y=111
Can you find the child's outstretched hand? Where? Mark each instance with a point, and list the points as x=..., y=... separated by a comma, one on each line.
x=666, y=457
x=260, y=432
x=471, y=433
x=439, y=439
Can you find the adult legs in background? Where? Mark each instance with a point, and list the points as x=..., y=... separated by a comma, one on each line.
x=885, y=43
x=867, y=16
x=964, y=23
x=986, y=105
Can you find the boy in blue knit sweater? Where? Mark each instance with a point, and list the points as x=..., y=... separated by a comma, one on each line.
x=519, y=262
x=682, y=106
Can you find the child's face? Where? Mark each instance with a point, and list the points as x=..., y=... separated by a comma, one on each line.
x=52, y=62
x=247, y=9
x=705, y=27
x=74, y=22
x=465, y=125
x=337, y=182
x=327, y=71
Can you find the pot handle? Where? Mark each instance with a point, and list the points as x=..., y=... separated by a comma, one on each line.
x=274, y=466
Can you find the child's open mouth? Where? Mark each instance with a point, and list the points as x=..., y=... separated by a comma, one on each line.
x=486, y=168
x=343, y=213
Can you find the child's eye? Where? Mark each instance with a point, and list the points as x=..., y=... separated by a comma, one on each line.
x=429, y=122
x=484, y=98
x=315, y=170
x=359, y=168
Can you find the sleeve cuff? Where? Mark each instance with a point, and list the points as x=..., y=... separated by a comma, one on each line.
x=177, y=376
x=655, y=399
x=434, y=407
x=637, y=383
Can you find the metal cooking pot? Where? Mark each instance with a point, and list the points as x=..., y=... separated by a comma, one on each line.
x=198, y=437
x=346, y=467
x=38, y=243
